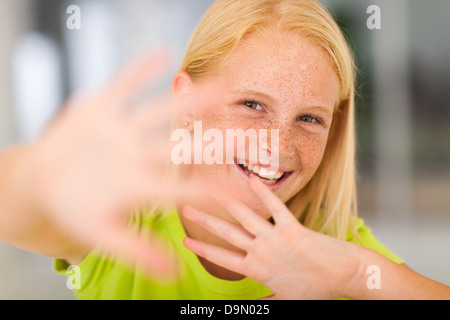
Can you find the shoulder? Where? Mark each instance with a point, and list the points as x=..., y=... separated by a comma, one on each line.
x=100, y=267
x=368, y=240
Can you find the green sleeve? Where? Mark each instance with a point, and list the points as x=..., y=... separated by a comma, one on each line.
x=369, y=241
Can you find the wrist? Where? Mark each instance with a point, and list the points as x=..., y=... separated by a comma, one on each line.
x=356, y=285
x=24, y=202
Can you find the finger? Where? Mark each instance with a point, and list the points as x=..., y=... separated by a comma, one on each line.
x=148, y=253
x=143, y=70
x=156, y=113
x=277, y=208
x=222, y=257
x=251, y=221
x=233, y=234
x=271, y=297
x=149, y=190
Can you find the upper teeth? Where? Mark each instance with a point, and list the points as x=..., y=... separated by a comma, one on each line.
x=263, y=172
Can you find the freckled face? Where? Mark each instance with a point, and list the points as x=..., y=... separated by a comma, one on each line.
x=271, y=82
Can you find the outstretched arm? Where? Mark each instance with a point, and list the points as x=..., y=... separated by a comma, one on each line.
x=22, y=222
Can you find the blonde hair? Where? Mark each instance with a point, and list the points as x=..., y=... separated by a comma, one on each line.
x=328, y=202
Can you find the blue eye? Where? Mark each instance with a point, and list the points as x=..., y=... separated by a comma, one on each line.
x=253, y=105
x=308, y=119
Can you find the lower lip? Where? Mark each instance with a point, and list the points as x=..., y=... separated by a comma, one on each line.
x=271, y=186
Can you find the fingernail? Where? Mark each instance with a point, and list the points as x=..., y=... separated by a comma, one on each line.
x=187, y=242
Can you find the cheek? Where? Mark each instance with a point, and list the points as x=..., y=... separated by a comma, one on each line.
x=225, y=117
x=311, y=151
x=230, y=124
x=310, y=154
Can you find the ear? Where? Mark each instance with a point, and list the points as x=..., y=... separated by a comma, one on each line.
x=183, y=93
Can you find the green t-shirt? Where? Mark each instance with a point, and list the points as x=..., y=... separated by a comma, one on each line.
x=103, y=278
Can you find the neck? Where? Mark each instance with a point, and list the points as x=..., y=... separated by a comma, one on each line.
x=198, y=233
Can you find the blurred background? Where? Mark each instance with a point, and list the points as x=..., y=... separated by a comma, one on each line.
x=403, y=106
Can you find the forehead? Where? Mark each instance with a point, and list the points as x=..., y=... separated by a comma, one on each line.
x=285, y=66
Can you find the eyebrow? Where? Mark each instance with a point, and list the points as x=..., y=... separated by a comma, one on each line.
x=255, y=93
x=272, y=99
x=321, y=108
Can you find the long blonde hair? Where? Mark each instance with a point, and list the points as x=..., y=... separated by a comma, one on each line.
x=328, y=202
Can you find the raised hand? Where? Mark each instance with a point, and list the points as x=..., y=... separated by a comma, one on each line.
x=291, y=260
x=102, y=156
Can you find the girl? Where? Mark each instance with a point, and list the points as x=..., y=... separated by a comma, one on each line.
x=279, y=65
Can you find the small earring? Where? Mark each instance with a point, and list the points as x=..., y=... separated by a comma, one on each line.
x=186, y=124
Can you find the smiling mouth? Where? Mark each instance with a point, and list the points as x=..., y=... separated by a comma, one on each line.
x=266, y=175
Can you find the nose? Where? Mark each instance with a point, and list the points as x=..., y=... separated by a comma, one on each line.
x=283, y=141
